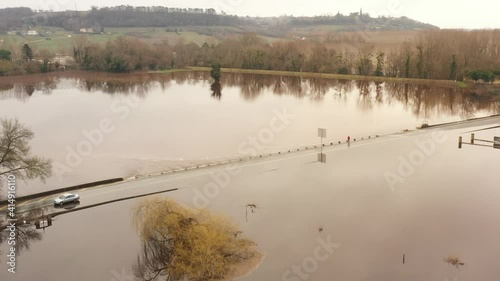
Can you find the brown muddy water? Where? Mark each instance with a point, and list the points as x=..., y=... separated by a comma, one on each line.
x=96, y=126
x=337, y=221
x=446, y=206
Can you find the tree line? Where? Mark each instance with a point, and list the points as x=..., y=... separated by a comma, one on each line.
x=29, y=62
x=129, y=16
x=442, y=55
x=159, y=16
x=13, y=17
x=421, y=99
x=448, y=54
x=356, y=19
x=439, y=54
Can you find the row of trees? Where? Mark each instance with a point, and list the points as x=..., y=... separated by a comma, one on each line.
x=248, y=52
x=13, y=17
x=453, y=55
x=123, y=55
x=129, y=16
x=357, y=19
x=448, y=54
x=29, y=62
x=158, y=16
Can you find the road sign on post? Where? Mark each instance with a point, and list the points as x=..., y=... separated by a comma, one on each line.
x=322, y=133
x=497, y=143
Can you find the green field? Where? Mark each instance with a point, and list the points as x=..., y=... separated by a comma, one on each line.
x=61, y=41
x=318, y=28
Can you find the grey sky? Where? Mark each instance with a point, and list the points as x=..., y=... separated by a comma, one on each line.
x=445, y=14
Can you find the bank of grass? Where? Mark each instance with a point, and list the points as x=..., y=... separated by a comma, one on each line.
x=492, y=90
x=62, y=41
x=443, y=83
x=176, y=70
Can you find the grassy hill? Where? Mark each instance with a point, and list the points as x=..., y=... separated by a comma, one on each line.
x=199, y=26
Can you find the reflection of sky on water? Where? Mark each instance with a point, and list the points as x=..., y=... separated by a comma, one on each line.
x=175, y=121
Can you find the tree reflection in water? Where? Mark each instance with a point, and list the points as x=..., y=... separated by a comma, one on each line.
x=216, y=89
x=422, y=100
x=26, y=233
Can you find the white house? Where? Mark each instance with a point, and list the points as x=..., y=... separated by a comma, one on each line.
x=86, y=30
x=32, y=33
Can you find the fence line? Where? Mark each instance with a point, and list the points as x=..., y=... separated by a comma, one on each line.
x=249, y=158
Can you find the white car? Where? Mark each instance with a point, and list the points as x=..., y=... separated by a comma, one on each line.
x=66, y=198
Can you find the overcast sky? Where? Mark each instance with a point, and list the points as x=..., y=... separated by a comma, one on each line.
x=445, y=14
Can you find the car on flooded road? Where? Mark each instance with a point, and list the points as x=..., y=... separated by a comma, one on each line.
x=66, y=198
x=67, y=206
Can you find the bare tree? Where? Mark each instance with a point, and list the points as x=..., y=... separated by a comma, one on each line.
x=454, y=260
x=183, y=244
x=15, y=153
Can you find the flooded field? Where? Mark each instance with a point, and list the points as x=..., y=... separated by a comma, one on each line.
x=96, y=126
x=343, y=220
x=313, y=221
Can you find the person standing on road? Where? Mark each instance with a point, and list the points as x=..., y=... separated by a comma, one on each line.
x=348, y=138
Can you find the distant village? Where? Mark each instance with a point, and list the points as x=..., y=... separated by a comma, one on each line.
x=46, y=33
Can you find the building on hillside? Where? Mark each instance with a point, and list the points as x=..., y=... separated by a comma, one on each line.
x=32, y=33
x=86, y=30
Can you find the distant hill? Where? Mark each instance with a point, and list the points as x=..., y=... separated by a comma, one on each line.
x=356, y=20
x=11, y=18
x=127, y=16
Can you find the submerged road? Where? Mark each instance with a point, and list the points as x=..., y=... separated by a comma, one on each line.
x=413, y=194
x=183, y=180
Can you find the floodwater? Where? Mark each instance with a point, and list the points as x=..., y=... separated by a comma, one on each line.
x=96, y=126
x=446, y=206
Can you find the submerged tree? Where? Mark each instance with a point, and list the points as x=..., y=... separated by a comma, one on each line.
x=15, y=153
x=454, y=260
x=183, y=244
x=46, y=56
x=215, y=72
x=453, y=68
x=379, y=71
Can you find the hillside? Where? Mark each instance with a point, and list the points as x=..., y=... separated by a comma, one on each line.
x=57, y=31
x=175, y=18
